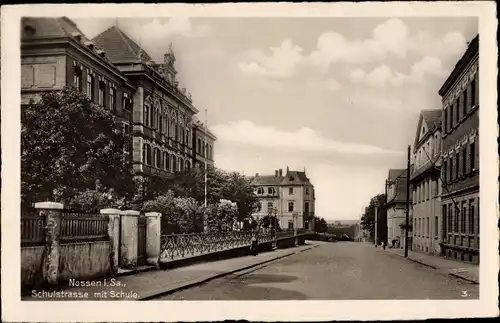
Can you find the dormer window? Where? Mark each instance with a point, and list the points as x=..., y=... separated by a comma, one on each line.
x=291, y=178
x=29, y=31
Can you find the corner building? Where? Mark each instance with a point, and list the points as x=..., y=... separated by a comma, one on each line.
x=460, y=170
x=290, y=197
x=55, y=54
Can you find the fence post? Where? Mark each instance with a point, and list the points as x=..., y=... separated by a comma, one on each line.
x=153, y=238
x=53, y=213
x=129, y=238
x=114, y=238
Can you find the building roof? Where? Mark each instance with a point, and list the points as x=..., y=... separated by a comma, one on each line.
x=471, y=51
x=432, y=118
x=119, y=47
x=266, y=180
x=57, y=27
x=295, y=178
x=395, y=173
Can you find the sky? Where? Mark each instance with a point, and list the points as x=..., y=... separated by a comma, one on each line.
x=338, y=97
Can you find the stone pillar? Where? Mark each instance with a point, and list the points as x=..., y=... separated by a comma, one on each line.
x=128, y=239
x=114, y=239
x=52, y=212
x=153, y=238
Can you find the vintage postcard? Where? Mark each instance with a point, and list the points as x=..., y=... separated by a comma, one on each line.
x=331, y=158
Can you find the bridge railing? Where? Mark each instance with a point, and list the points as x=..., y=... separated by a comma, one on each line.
x=179, y=246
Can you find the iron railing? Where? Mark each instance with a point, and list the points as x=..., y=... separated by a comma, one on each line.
x=179, y=246
x=77, y=226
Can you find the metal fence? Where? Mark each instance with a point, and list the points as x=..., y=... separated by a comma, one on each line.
x=76, y=226
x=179, y=246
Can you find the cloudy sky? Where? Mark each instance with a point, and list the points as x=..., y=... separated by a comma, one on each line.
x=338, y=96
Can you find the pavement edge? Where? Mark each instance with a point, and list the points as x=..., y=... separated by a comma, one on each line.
x=207, y=279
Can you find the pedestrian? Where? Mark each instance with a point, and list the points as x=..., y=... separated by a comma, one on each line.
x=254, y=245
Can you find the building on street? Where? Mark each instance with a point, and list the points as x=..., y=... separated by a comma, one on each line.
x=460, y=155
x=396, y=208
x=55, y=54
x=202, y=137
x=426, y=183
x=288, y=196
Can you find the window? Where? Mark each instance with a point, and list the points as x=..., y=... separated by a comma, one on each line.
x=157, y=119
x=307, y=191
x=102, y=90
x=471, y=216
x=458, y=108
x=427, y=227
x=436, y=225
x=146, y=115
x=146, y=154
x=270, y=206
x=176, y=132
x=452, y=159
x=112, y=99
x=270, y=191
x=445, y=120
x=290, y=191
x=160, y=122
x=125, y=101
x=463, y=217
x=452, y=107
x=90, y=86
x=464, y=161
x=181, y=164
x=166, y=161
x=291, y=206
x=290, y=224
x=77, y=77
x=473, y=156
x=260, y=190
x=457, y=165
x=187, y=137
x=445, y=171
x=473, y=99
x=199, y=146
x=306, y=208
x=450, y=218
x=465, y=104
x=174, y=163
x=457, y=211
x=444, y=219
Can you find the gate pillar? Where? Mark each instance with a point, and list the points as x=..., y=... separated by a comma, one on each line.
x=153, y=238
x=129, y=239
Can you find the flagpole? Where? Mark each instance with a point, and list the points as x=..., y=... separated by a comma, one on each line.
x=205, y=153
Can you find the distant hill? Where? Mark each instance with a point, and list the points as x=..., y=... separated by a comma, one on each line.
x=344, y=222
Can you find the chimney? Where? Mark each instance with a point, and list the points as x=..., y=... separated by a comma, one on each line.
x=280, y=172
x=276, y=173
x=256, y=174
x=287, y=169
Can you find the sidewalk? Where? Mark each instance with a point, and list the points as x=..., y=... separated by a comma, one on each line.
x=463, y=270
x=148, y=284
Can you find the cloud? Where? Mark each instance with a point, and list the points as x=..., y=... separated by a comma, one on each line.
x=328, y=84
x=183, y=26
x=391, y=38
x=382, y=76
x=281, y=63
x=304, y=139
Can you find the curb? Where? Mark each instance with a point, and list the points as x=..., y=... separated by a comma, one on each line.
x=444, y=271
x=204, y=280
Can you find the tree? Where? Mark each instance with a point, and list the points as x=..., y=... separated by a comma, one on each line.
x=179, y=215
x=368, y=218
x=220, y=217
x=68, y=143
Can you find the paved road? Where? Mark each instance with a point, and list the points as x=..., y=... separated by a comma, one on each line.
x=334, y=271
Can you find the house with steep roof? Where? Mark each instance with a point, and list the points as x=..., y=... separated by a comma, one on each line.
x=426, y=183
x=289, y=197
x=167, y=136
x=55, y=54
x=396, y=208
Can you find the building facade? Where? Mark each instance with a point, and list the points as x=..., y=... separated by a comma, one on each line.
x=289, y=197
x=460, y=155
x=202, y=137
x=396, y=209
x=426, y=183
x=55, y=54
x=165, y=132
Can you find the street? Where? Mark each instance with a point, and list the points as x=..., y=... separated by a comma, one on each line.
x=334, y=271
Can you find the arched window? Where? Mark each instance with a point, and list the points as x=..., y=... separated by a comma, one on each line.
x=158, y=118
x=188, y=165
x=157, y=158
x=166, y=161
x=174, y=163
x=146, y=115
x=150, y=155
x=144, y=153
x=180, y=163
x=165, y=121
x=160, y=123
